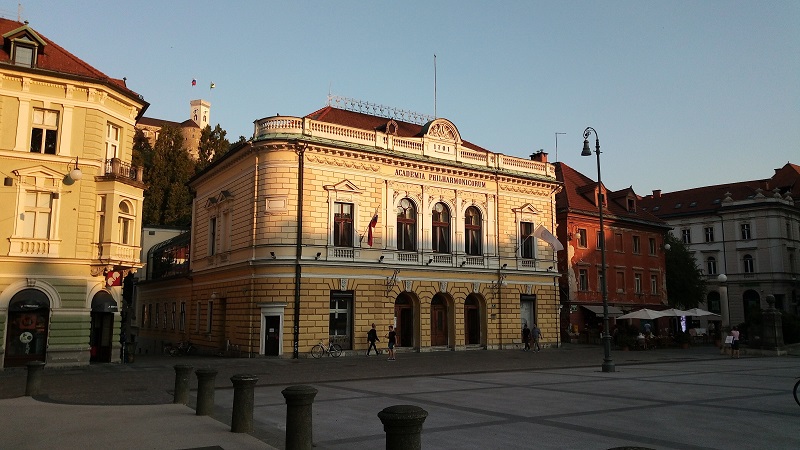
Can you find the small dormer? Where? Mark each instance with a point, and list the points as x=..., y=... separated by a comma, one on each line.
x=631, y=204
x=23, y=45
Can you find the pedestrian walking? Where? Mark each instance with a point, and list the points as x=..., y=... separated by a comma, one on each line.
x=372, y=338
x=537, y=335
x=391, y=339
x=735, y=343
x=526, y=337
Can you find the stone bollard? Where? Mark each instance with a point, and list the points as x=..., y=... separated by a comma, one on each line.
x=182, y=373
x=205, y=391
x=33, y=384
x=242, y=416
x=403, y=426
x=299, y=432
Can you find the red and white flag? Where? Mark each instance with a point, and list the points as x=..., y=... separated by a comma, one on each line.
x=371, y=227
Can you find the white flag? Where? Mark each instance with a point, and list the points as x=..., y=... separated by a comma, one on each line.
x=541, y=233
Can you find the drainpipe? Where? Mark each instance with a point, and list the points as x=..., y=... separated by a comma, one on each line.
x=299, y=249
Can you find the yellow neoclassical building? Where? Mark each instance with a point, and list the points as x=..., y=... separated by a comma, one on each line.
x=71, y=200
x=321, y=225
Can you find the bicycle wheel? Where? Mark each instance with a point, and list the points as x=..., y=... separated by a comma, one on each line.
x=336, y=350
x=317, y=351
x=794, y=392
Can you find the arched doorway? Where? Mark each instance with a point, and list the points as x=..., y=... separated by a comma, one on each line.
x=404, y=316
x=438, y=321
x=28, y=322
x=752, y=304
x=102, y=325
x=472, y=320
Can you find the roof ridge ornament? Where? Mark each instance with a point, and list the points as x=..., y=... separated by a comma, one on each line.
x=374, y=109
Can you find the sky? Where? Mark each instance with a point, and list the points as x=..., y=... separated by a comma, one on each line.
x=680, y=93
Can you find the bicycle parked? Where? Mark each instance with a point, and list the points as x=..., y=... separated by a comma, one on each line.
x=183, y=348
x=332, y=349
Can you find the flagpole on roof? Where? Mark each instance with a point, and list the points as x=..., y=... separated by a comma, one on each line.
x=434, y=85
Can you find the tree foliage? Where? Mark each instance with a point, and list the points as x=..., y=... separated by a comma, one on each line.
x=686, y=284
x=213, y=145
x=142, y=151
x=167, y=197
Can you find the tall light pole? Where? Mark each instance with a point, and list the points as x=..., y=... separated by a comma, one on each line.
x=608, y=365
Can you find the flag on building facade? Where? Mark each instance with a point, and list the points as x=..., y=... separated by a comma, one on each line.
x=541, y=233
x=194, y=82
x=371, y=227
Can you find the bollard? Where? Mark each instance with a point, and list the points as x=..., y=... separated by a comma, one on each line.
x=299, y=432
x=403, y=426
x=34, y=382
x=182, y=373
x=242, y=416
x=205, y=391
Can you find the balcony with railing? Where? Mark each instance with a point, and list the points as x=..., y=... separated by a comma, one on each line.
x=117, y=170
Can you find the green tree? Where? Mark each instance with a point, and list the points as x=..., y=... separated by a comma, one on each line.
x=167, y=197
x=142, y=151
x=213, y=145
x=686, y=284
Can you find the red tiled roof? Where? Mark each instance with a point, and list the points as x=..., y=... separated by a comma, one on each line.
x=704, y=199
x=353, y=119
x=56, y=59
x=578, y=195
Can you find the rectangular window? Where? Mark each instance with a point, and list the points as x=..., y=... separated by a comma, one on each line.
x=44, y=133
x=637, y=283
x=101, y=218
x=197, y=318
x=686, y=235
x=37, y=214
x=166, y=315
x=583, y=280
x=145, y=317
x=654, y=284
x=582, y=238
x=600, y=240
x=212, y=236
x=340, y=318
x=600, y=281
x=112, y=141
x=23, y=55
x=343, y=224
x=620, y=281
x=528, y=248
x=709, y=232
x=637, y=245
x=225, y=232
x=210, y=316
x=174, y=307
x=155, y=315
x=618, y=243
x=652, y=242
x=182, y=322
x=745, y=227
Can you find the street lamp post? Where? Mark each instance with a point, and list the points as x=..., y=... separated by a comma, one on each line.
x=608, y=364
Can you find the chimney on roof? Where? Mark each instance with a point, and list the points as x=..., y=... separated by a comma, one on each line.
x=539, y=156
x=656, y=193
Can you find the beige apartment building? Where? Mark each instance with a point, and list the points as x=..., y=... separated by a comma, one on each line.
x=71, y=201
x=321, y=225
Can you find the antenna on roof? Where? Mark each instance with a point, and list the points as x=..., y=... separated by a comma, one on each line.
x=434, y=85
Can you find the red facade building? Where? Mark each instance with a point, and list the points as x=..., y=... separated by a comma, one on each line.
x=635, y=262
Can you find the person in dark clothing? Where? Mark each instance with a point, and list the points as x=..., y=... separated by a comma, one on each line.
x=392, y=340
x=372, y=337
x=526, y=337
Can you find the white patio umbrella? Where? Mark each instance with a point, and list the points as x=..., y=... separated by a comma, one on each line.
x=643, y=313
x=697, y=312
x=672, y=312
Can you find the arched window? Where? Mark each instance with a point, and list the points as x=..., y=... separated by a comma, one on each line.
x=441, y=228
x=472, y=231
x=711, y=266
x=125, y=222
x=406, y=226
x=748, y=264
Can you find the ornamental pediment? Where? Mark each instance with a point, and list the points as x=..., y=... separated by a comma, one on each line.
x=343, y=186
x=441, y=129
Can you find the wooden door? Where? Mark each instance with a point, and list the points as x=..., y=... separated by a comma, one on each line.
x=272, y=335
x=438, y=325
